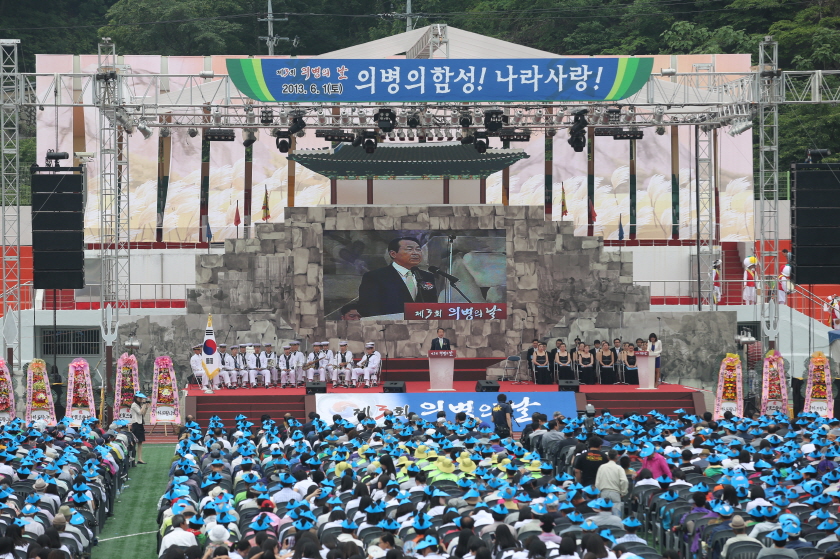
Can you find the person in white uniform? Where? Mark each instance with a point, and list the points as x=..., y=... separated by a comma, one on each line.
x=251, y=365
x=342, y=365
x=262, y=365
x=367, y=366
x=785, y=285
x=241, y=366
x=267, y=357
x=327, y=362
x=300, y=361
x=228, y=373
x=314, y=363
x=222, y=379
x=196, y=366
x=286, y=365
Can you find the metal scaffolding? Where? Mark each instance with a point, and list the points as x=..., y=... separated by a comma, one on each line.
x=11, y=100
x=704, y=201
x=114, y=127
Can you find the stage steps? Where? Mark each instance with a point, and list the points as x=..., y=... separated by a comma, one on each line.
x=253, y=406
x=639, y=401
x=732, y=274
x=417, y=369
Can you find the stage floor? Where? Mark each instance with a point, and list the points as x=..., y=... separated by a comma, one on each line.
x=459, y=386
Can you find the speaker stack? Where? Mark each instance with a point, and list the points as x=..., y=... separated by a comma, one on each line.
x=58, y=231
x=815, y=227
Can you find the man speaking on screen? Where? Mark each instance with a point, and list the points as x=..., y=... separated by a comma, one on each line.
x=386, y=290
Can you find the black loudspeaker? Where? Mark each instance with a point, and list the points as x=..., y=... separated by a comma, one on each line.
x=814, y=227
x=569, y=386
x=393, y=386
x=486, y=386
x=58, y=259
x=316, y=387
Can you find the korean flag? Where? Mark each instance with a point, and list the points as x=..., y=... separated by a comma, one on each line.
x=209, y=352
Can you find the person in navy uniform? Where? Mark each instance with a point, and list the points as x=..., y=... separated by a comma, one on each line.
x=386, y=290
x=440, y=343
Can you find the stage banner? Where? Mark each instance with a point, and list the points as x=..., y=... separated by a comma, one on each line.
x=79, y=393
x=819, y=398
x=455, y=311
x=774, y=396
x=297, y=80
x=127, y=384
x=7, y=394
x=39, y=400
x=426, y=405
x=730, y=387
x=165, y=408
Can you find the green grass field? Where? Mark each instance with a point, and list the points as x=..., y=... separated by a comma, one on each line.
x=136, y=509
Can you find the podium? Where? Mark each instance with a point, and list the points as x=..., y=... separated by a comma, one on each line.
x=441, y=370
x=647, y=365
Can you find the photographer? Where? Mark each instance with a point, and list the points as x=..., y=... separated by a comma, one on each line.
x=138, y=416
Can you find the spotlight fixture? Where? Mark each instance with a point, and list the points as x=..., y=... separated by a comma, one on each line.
x=816, y=155
x=512, y=135
x=357, y=140
x=629, y=135
x=480, y=141
x=739, y=127
x=124, y=119
x=468, y=139
x=220, y=135
x=385, y=120
x=267, y=116
x=192, y=132
x=465, y=120
x=607, y=131
x=614, y=115
x=771, y=73
x=577, y=133
x=281, y=140
x=494, y=119
x=165, y=132
x=668, y=72
x=144, y=129
x=658, y=114
x=335, y=135
x=217, y=115
x=413, y=120
x=53, y=157
x=371, y=139
x=660, y=130
x=298, y=124
x=249, y=136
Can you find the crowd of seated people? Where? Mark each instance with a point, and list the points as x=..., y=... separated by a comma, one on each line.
x=599, y=363
x=59, y=485
x=591, y=487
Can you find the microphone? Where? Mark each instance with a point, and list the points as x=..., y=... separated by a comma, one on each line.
x=438, y=272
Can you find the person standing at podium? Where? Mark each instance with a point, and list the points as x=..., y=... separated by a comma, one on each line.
x=440, y=343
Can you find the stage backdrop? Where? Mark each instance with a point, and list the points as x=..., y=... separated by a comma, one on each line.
x=356, y=261
x=427, y=404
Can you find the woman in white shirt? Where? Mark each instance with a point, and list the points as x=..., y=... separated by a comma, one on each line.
x=138, y=413
x=655, y=350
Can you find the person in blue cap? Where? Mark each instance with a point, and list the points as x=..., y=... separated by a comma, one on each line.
x=779, y=538
x=139, y=409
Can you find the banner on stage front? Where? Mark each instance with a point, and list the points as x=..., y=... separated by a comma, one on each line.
x=80, y=405
x=39, y=400
x=298, y=80
x=165, y=408
x=426, y=405
x=730, y=388
x=819, y=398
x=7, y=394
x=127, y=384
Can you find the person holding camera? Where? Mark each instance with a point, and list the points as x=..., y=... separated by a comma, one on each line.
x=138, y=417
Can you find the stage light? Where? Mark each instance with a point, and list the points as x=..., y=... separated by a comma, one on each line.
x=668, y=72
x=816, y=155
x=511, y=135
x=480, y=141
x=267, y=117
x=124, y=119
x=413, y=120
x=468, y=139
x=494, y=119
x=660, y=130
x=357, y=140
x=551, y=132
x=192, y=132
x=658, y=114
x=385, y=120
x=739, y=127
x=144, y=129
x=614, y=115
x=629, y=135
x=770, y=74
x=465, y=120
x=335, y=135
x=220, y=135
x=249, y=136
x=165, y=132
x=370, y=145
x=206, y=74
x=577, y=133
x=281, y=141
x=298, y=124
x=217, y=115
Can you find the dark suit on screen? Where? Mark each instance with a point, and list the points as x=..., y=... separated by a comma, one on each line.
x=383, y=291
x=437, y=345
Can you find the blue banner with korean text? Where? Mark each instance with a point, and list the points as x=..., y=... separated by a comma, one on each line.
x=315, y=80
x=428, y=404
